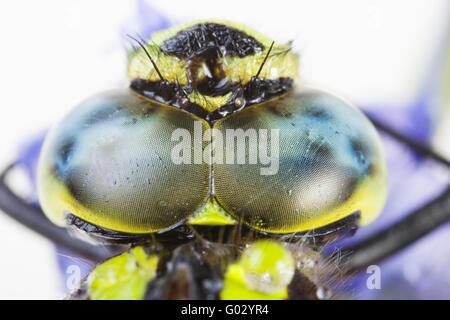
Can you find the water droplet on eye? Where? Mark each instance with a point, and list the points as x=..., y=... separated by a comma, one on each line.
x=323, y=293
x=289, y=193
x=162, y=203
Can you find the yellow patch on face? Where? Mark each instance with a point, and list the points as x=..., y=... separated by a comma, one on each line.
x=281, y=65
x=208, y=103
x=212, y=214
x=172, y=69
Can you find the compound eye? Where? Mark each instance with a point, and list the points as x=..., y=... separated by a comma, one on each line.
x=306, y=160
x=109, y=162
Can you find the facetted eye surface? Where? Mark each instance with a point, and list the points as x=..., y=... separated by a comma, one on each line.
x=109, y=163
x=330, y=165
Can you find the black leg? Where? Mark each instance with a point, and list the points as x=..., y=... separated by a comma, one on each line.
x=33, y=217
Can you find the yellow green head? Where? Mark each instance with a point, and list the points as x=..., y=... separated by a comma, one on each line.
x=212, y=65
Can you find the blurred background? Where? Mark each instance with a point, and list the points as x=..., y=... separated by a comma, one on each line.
x=389, y=57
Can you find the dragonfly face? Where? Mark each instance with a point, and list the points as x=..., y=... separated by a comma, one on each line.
x=212, y=132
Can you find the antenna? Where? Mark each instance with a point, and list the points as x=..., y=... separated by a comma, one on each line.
x=265, y=59
x=148, y=55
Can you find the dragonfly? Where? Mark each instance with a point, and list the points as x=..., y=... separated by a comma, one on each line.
x=221, y=243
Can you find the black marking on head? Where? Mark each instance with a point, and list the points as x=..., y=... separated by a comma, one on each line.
x=168, y=93
x=213, y=88
x=262, y=89
x=211, y=40
x=254, y=92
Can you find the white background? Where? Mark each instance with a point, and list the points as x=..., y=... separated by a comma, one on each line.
x=55, y=53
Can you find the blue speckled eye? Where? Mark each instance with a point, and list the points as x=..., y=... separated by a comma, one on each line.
x=330, y=165
x=109, y=163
